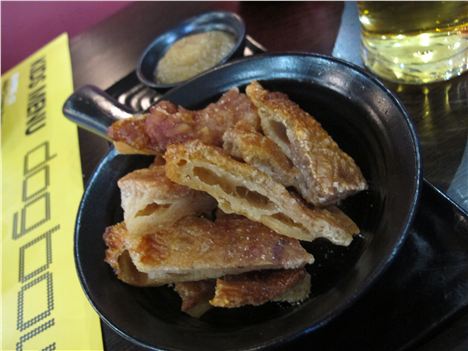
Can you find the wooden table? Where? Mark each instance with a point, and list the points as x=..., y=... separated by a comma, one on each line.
x=109, y=51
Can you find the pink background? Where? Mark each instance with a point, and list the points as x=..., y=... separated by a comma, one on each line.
x=27, y=26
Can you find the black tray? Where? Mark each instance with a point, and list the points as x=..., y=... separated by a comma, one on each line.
x=416, y=300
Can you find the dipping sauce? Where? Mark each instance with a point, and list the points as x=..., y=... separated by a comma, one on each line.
x=192, y=55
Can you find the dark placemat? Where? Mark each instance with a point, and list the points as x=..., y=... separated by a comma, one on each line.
x=416, y=298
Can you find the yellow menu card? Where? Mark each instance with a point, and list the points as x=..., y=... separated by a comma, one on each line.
x=43, y=305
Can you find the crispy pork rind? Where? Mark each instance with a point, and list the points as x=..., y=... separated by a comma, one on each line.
x=242, y=189
x=329, y=173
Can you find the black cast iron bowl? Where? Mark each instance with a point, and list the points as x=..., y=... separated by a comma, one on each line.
x=368, y=123
x=217, y=20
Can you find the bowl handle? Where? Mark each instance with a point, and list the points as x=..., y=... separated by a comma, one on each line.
x=94, y=110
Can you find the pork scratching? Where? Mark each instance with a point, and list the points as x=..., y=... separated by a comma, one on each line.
x=329, y=173
x=245, y=190
x=196, y=248
x=150, y=199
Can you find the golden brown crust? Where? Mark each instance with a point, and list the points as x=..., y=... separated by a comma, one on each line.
x=256, y=288
x=114, y=238
x=195, y=296
x=242, y=189
x=118, y=258
x=245, y=143
x=129, y=274
x=329, y=173
x=150, y=199
x=166, y=124
x=252, y=288
x=130, y=137
x=196, y=249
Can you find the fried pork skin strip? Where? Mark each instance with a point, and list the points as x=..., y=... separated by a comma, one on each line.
x=257, y=288
x=150, y=199
x=252, y=288
x=167, y=124
x=196, y=249
x=245, y=190
x=329, y=173
x=119, y=259
x=232, y=291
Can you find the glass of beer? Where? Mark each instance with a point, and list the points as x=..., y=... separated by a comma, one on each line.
x=415, y=42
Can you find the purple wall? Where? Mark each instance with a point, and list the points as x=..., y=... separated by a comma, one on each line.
x=27, y=26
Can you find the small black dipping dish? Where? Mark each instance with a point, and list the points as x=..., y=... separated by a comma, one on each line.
x=211, y=21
